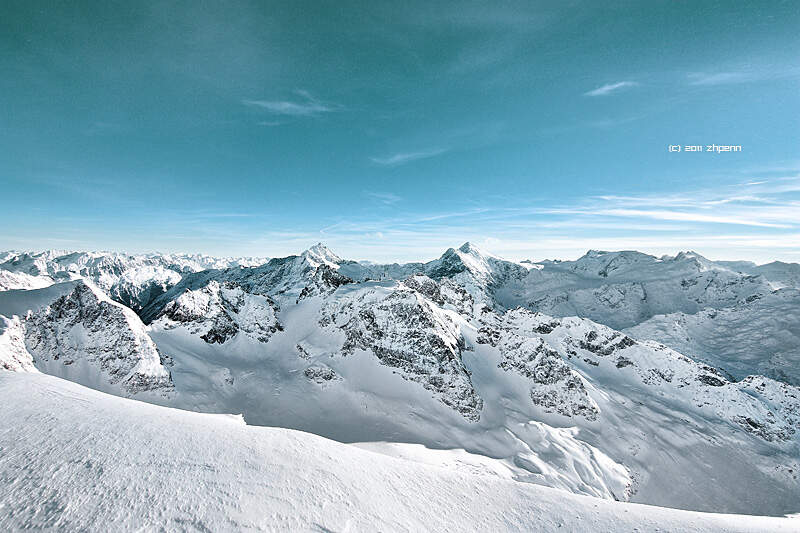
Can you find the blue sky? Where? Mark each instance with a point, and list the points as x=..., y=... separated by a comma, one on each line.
x=391, y=131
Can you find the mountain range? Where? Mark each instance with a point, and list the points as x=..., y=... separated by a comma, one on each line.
x=670, y=381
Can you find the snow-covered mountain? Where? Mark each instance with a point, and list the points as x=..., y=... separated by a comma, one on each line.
x=133, y=280
x=454, y=354
x=622, y=289
x=73, y=330
x=756, y=336
x=408, y=361
x=778, y=273
x=88, y=460
x=479, y=272
x=668, y=299
x=675, y=300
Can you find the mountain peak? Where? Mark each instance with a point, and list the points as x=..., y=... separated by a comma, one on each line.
x=468, y=247
x=319, y=253
x=472, y=250
x=696, y=259
x=688, y=254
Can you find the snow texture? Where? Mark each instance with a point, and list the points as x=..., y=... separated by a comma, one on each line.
x=92, y=461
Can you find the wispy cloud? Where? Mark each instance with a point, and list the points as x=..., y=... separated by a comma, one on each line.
x=742, y=74
x=660, y=214
x=759, y=203
x=610, y=88
x=406, y=157
x=386, y=198
x=306, y=106
x=718, y=78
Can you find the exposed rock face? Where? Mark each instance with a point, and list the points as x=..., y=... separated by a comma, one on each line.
x=409, y=333
x=323, y=281
x=555, y=386
x=604, y=345
x=86, y=337
x=445, y=293
x=216, y=313
x=321, y=375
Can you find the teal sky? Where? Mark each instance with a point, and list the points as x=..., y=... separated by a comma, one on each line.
x=393, y=130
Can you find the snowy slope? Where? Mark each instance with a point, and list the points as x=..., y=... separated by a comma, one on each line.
x=21, y=280
x=333, y=372
x=83, y=460
x=14, y=356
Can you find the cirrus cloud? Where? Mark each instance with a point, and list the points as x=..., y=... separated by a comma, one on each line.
x=610, y=88
x=406, y=157
x=306, y=106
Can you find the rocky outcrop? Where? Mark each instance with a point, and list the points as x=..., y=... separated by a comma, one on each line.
x=410, y=334
x=555, y=386
x=84, y=336
x=217, y=313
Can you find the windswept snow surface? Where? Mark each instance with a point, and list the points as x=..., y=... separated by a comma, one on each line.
x=79, y=460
